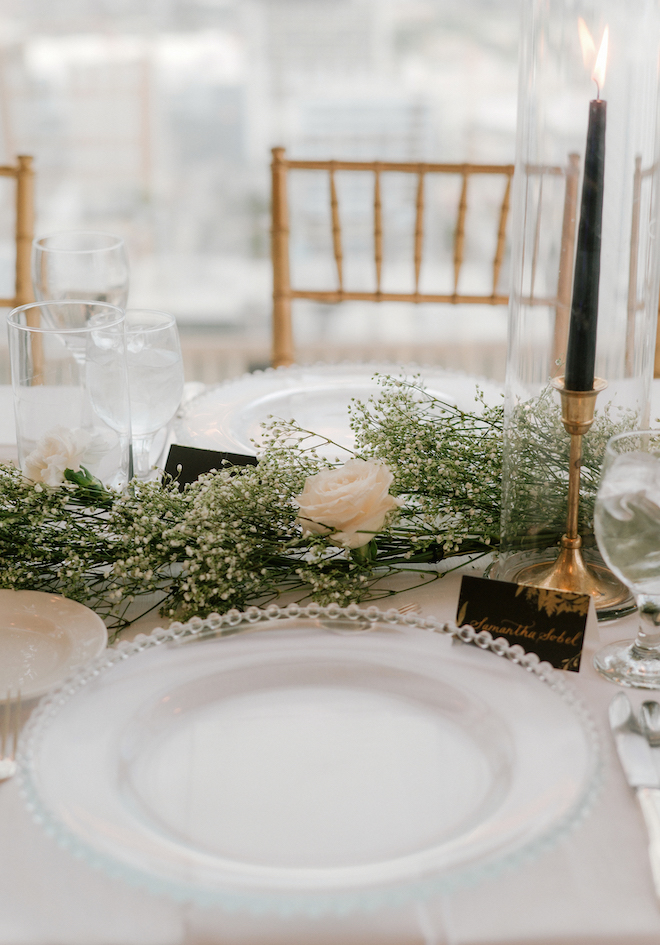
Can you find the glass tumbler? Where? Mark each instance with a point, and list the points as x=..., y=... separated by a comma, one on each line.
x=70, y=389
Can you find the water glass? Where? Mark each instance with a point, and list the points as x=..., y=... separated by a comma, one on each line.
x=80, y=265
x=155, y=377
x=70, y=389
x=627, y=526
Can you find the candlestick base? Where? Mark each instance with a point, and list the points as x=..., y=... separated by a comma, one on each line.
x=570, y=573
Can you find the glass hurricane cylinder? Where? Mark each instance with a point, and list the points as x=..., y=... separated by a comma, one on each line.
x=70, y=385
x=561, y=40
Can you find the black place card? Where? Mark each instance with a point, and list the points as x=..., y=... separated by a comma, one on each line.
x=546, y=622
x=188, y=463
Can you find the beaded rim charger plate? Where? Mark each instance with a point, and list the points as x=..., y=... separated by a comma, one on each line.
x=230, y=416
x=310, y=759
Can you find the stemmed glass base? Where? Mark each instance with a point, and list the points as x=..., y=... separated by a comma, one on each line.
x=635, y=663
x=628, y=665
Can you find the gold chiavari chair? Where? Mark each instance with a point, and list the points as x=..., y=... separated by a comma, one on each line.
x=284, y=293
x=23, y=174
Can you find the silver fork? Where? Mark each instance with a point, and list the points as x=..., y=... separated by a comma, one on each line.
x=411, y=608
x=11, y=720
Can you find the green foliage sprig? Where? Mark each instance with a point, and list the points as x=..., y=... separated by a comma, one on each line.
x=232, y=539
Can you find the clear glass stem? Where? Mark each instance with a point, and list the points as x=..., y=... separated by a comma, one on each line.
x=647, y=643
x=141, y=450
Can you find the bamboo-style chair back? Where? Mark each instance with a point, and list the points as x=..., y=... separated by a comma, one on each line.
x=284, y=292
x=23, y=174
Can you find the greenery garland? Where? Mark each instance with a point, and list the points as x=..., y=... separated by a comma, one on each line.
x=234, y=537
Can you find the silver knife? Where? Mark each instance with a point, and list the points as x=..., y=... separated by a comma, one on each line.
x=637, y=763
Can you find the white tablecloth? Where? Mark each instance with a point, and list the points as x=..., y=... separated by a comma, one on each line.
x=594, y=888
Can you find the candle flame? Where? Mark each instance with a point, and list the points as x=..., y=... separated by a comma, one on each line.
x=598, y=75
x=589, y=53
x=587, y=43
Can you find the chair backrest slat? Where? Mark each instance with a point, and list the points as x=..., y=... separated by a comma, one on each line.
x=378, y=229
x=459, y=236
x=501, y=235
x=537, y=237
x=336, y=231
x=282, y=327
x=419, y=227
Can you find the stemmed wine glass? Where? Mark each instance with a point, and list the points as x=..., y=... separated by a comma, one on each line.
x=155, y=379
x=627, y=525
x=84, y=265
x=78, y=266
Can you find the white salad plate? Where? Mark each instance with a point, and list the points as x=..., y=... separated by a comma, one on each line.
x=230, y=416
x=309, y=759
x=43, y=639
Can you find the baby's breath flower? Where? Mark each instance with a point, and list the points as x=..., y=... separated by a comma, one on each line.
x=232, y=538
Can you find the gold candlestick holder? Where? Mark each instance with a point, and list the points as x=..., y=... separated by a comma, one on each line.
x=569, y=572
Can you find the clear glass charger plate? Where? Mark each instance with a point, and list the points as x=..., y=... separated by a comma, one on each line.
x=229, y=416
x=310, y=759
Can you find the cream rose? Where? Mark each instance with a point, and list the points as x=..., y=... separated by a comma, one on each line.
x=56, y=451
x=349, y=504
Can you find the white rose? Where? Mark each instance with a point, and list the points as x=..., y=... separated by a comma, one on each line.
x=349, y=503
x=56, y=451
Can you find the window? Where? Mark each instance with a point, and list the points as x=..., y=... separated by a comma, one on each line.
x=153, y=119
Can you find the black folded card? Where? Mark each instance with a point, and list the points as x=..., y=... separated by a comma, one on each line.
x=187, y=463
x=546, y=622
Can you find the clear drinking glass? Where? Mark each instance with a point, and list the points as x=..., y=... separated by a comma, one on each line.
x=627, y=525
x=155, y=377
x=80, y=265
x=70, y=389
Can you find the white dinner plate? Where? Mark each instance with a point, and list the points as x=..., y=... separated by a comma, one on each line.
x=325, y=760
x=230, y=416
x=43, y=639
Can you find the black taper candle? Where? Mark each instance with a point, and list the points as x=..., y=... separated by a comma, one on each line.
x=581, y=353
